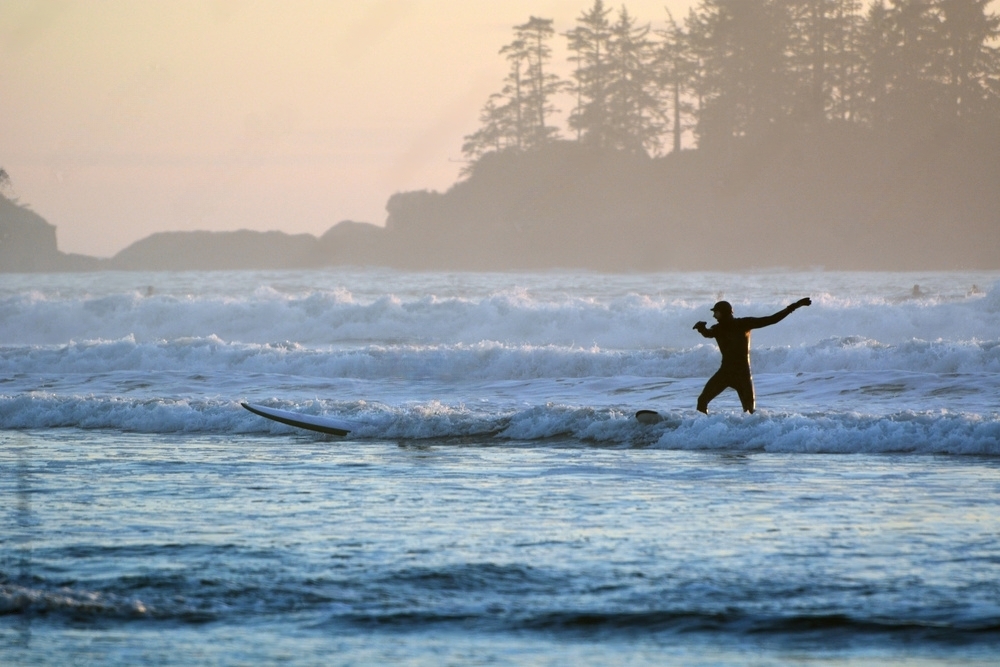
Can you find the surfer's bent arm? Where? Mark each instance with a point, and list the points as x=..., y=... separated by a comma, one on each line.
x=702, y=328
x=759, y=322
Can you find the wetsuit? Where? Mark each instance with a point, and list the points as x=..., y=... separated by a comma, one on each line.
x=733, y=337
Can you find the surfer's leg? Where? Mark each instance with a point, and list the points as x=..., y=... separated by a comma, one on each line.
x=744, y=387
x=713, y=388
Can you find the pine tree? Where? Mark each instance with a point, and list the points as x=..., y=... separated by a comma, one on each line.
x=535, y=52
x=589, y=41
x=675, y=72
x=495, y=132
x=875, y=52
x=971, y=64
x=515, y=91
x=820, y=53
x=744, y=80
x=634, y=108
x=915, y=93
x=517, y=117
x=845, y=67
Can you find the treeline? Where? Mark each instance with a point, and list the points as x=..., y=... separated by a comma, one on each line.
x=738, y=69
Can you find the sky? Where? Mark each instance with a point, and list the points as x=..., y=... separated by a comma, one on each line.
x=122, y=118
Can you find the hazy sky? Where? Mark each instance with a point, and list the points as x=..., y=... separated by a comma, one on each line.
x=126, y=117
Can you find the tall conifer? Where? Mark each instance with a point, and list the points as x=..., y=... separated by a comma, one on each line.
x=589, y=42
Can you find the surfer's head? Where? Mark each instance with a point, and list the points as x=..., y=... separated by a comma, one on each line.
x=722, y=310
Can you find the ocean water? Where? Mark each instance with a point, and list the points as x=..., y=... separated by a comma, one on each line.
x=498, y=503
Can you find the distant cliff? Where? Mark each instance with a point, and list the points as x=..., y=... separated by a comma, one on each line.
x=345, y=243
x=839, y=198
x=28, y=243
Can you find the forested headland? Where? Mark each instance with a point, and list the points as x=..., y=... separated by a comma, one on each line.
x=749, y=133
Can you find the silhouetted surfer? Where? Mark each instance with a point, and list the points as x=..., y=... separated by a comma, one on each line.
x=733, y=337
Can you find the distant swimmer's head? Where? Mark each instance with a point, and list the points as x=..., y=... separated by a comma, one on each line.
x=722, y=308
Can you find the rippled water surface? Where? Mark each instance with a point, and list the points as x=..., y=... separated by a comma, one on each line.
x=303, y=550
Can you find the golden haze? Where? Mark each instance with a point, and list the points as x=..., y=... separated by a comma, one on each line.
x=126, y=117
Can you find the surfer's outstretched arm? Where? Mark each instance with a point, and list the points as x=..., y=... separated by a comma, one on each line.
x=759, y=322
x=702, y=328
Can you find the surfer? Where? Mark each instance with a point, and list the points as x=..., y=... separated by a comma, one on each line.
x=732, y=334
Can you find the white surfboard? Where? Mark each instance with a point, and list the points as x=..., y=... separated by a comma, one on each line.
x=328, y=425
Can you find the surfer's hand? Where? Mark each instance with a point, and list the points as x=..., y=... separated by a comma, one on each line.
x=802, y=302
x=699, y=326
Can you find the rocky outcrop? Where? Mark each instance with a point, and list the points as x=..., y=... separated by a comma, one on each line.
x=28, y=243
x=346, y=243
x=202, y=251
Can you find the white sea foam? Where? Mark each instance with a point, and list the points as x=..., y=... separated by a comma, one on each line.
x=922, y=432
x=625, y=320
x=869, y=367
x=488, y=360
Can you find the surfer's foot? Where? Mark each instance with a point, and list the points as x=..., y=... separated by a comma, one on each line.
x=703, y=410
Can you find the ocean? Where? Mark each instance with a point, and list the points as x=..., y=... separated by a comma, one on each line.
x=498, y=503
